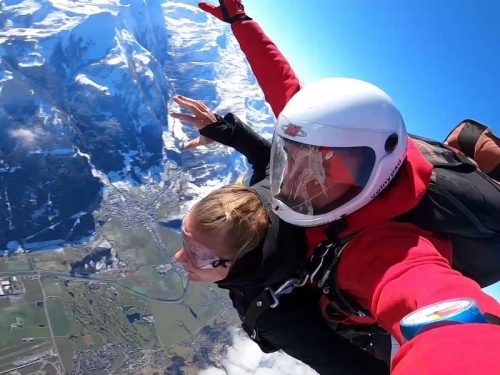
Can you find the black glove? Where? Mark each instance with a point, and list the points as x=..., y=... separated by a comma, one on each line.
x=228, y=11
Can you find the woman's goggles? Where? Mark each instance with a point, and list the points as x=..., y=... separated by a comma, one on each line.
x=203, y=258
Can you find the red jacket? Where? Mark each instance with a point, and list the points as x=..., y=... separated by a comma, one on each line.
x=392, y=268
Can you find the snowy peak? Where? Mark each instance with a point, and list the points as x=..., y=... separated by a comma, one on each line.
x=85, y=91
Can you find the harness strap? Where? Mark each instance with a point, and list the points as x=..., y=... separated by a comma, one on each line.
x=327, y=279
x=265, y=300
x=492, y=319
x=321, y=269
x=228, y=18
x=478, y=142
x=469, y=135
x=441, y=155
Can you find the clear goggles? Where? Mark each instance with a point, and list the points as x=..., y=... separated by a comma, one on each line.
x=314, y=180
x=202, y=258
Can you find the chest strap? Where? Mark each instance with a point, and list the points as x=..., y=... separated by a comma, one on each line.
x=321, y=271
x=324, y=262
x=267, y=299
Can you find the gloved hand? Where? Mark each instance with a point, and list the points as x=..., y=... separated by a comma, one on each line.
x=200, y=117
x=228, y=11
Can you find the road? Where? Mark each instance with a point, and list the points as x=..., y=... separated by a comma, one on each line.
x=79, y=278
x=50, y=324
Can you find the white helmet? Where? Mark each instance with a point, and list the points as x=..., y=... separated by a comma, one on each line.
x=337, y=144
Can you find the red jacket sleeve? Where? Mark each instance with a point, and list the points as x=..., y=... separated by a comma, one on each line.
x=272, y=70
x=452, y=350
x=393, y=269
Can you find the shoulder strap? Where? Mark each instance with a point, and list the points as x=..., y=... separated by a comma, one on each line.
x=492, y=319
x=323, y=268
x=478, y=142
x=441, y=155
x=267, y=299
x=465, y=136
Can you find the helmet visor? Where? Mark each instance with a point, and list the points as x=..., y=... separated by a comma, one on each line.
x=314, y=180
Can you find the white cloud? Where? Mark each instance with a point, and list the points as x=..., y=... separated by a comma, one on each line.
x=26, y=136
x=244, y=357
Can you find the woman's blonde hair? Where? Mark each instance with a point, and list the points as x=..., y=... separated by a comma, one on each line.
x=234, y=213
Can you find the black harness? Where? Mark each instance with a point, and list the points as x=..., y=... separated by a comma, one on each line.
x=320, y=270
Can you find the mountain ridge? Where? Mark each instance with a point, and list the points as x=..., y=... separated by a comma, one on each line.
x=84, y=98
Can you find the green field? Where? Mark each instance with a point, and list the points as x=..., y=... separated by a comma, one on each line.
x=13, y=353
x=176, y=322
x=130, y=283
x=65, y=348
x=61, y=323
x=18, y=262
x=56, y=261
x=135, y=246
x=16, y=335
x=32, y=369
x=171, y=239
x=148, y=282
x=33, y=290
x=34, y=322
x=94, y=314
x=52, y=286
x=22, y=347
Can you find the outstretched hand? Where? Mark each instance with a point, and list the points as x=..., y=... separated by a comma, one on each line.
x=227, y=11
x=201, y=116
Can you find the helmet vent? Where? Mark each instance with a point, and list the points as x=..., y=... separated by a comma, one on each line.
x=391, y=143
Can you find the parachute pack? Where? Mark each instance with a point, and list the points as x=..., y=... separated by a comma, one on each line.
x=478, y=142
x=464, y=203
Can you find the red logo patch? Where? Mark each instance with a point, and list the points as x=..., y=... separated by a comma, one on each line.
x=293, y=130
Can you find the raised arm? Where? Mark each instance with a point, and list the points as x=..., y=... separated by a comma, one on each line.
x=233, y=132
x=272, y=70
x=228, y=130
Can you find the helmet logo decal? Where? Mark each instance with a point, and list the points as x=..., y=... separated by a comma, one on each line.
x=293, y=130
x=390, y=177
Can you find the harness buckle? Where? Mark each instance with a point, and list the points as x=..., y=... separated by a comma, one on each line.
x=324, y=279
x=268, y=298
x=321, y=251
x=285, y=288
x=274, y=297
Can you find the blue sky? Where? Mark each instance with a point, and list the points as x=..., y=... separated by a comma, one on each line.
x=438, y=60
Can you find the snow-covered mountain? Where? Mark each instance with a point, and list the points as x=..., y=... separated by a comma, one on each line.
x=85, y=92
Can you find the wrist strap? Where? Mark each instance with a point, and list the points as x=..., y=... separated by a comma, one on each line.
x=227, y=18
x=239, y=18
